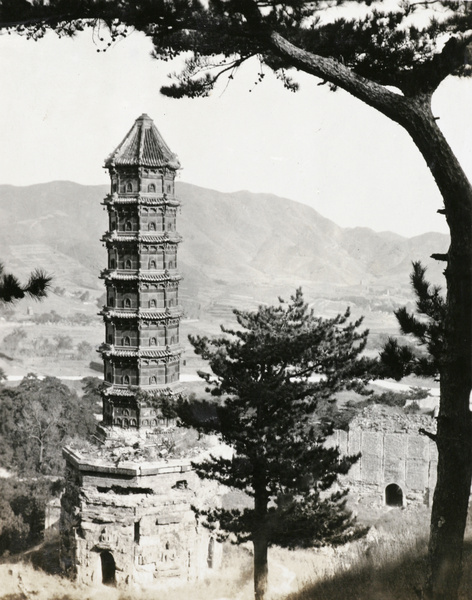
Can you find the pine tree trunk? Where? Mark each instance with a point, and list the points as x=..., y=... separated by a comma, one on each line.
x=259, y=535
x=454, y=424
x=454, y=430
x=261, y=570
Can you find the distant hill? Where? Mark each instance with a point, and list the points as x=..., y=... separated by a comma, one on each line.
x=239, y=248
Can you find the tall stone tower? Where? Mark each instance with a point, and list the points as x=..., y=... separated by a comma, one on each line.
x=126, y=514
x=141, y=353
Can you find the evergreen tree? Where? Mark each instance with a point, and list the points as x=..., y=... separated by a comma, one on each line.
x=426, y=327
x=390, y=55
x=11, y=289
x=270, y=375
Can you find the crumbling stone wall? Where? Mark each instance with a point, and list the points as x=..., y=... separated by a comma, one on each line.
x=132, y=523
x=393, y=453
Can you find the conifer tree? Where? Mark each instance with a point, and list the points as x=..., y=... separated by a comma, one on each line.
x=426, y=327
x=11, y=289
x=392, y=56
x=270, y=374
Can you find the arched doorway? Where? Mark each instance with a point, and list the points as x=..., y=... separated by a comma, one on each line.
x=393, y=495
x=108, y=568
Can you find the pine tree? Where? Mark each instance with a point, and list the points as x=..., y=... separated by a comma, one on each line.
x=11, y=289
x=270, y=375
x=392, y=56
x=426, y=327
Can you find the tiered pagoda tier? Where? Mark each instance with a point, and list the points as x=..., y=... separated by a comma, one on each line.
x=141, y=352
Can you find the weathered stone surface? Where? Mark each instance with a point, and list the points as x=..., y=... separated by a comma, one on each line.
x=111, y=529
x=392, y=452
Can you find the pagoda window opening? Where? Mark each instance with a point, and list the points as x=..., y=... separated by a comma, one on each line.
x=125, y=379
x=152, y=303
x=128, y=226
x=151, y=187
x=125, y=423
x=129, y=187
x=152, y=226
x=132, y=422
x=153, y=380
x=126, y=341
x=153, y=341
x=152, y=264
x=128, y=264
x=127, y=303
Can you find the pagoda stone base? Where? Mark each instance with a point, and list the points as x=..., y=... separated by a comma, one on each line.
x=130, y=523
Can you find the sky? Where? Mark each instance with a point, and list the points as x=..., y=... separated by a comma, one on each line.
x=64, y=107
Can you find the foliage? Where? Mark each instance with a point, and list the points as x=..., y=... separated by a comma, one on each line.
x=38, y=416
x=270, y=375
x=390, y=55
x=22, y=511
x=11, y=289
x=383, y=42
x=426, y=327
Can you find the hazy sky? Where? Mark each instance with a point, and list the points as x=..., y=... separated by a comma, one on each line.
x=64, y=107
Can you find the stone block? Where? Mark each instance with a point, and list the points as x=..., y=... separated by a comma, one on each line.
x=417, y=474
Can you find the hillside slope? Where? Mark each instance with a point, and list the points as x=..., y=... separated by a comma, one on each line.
x=238, y=245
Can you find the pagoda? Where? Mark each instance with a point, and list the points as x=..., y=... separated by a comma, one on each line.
x=141, y=353
x=126, y=510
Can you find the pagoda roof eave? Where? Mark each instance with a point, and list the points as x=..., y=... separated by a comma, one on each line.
x=163, y=200
x=143, y=146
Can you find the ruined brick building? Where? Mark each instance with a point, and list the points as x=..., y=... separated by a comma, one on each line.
x=126, y=513
x=398, y=464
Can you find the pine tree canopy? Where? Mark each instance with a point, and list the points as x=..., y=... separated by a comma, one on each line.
x=410, y=45
x=270, y=374
x=11, y=289
x=426, y=327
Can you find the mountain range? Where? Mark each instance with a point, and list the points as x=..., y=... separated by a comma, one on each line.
x=239, y=248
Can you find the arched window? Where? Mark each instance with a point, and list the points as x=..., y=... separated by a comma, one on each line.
x=126, y=341
x=151, y=187
x=172, y=340
x=129, y=187
x=152, y=226
x=152, y=264
x=153, y=380
x=132, y=422
x=152, y=303
x=128, y=226
x=128, y=264
x=393, y=495
x=125, y=423
x=126, y=379
x=152, y=341
x=126, y=412
x=127, y=303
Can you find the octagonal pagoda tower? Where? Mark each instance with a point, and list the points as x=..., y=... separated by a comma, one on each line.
x=141, y=352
